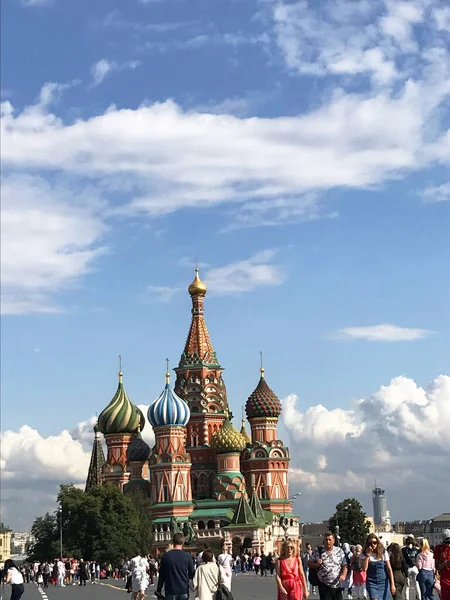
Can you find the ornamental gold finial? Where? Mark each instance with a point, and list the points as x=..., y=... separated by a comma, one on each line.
x=197, y=287
x=120, y=369
x=167, y=372
x=261, y=370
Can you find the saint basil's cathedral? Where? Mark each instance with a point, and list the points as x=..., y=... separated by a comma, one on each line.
x=203, y=476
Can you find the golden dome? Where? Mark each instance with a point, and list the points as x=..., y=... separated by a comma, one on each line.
x=228, y=439
x=197, y=287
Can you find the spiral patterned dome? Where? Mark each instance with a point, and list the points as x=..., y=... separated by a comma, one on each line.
x=121, y=415
x=263, y=402
x=168, y=409
x=228, y=439
x=138, y=450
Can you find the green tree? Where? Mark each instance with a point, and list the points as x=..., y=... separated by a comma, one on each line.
x=349, y=522
x=46, y=533
x=101, y=524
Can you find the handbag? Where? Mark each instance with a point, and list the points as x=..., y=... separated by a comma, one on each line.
x=222, y=593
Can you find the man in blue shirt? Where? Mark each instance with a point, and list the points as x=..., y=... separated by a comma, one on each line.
x=176, y=570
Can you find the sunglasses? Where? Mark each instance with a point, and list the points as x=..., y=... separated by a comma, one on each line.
x=373, y=542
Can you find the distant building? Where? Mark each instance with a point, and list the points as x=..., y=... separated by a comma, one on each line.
x=417, y=529
x=380, y=511
x=435, y=527
x=19, y=541
x=5, y=542
x=312, y=533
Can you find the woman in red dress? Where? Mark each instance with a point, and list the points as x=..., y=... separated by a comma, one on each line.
x=290, y=575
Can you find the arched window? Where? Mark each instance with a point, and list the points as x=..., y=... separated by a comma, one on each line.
x=201, y=525
x=211, y=524
x=262, y=491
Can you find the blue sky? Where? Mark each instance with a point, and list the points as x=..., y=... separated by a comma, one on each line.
x=300, y=152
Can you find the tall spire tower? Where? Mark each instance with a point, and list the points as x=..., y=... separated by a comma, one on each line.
x=95, y=473
x=199, y=382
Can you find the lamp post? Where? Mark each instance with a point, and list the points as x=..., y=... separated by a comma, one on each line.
x=285, y=526
x=60, y=533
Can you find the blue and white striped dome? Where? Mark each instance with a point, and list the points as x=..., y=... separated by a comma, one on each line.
x=168, y=409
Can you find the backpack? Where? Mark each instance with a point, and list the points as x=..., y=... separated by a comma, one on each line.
x=357, y=564
x=313, y=576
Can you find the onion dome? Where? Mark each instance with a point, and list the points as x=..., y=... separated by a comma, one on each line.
x=228, y=439
x=168, y=408
x=263, y=402
x=121, y=415
x=197, y=287
x=138, y=450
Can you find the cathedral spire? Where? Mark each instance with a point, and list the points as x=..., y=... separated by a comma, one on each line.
x=95, y=474
x=198, y=350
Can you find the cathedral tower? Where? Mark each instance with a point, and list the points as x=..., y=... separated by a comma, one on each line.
x=170, y=463
x=228, y=444
x=95, y=473
x=199, y=382
x=119, y=422
x=265, y=461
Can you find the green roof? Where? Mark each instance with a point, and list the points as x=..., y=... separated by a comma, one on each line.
x=256, y=507
x=243, y=514
x=203, y=513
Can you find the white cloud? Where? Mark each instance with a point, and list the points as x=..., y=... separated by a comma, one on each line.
x=399, y=431
x=49, y=239
x=167, y=159
x=33, y=466
x=104, y=67
x=384, y=333
x=245, y=275
x=437, y=193
x=442, y=17
x=160, y=293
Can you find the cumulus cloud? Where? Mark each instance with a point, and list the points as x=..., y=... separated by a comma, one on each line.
x=104, y=67
x=437, y=193
x=384, y=333
x=245, y=275
x=398, y=434
x=33, y=466
x=50, y=238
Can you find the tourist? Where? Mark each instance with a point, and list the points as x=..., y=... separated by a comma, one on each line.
x=271, y=563
x=139, y=577
x=442, y=557
x=359, y=575
x=410, y=552
x=426, y=566
x=83, y=572
x=263, y=565
x=378, y=569
x=176, y=570
x=291, y=579
x=61, y=570
x=225, y=560
x=200, y=554
x=15, y=578
x=306, y=557
x=347, y=584
x=237, y=564
x=152, y=569
x=331, y=568
x=399, y=569
x=46, y=570
x=256, y=563
x=207, y=577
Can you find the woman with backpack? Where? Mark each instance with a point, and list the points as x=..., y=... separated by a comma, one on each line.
x=209, y=577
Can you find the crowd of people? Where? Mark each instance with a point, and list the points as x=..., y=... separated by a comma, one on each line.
x=372, y=572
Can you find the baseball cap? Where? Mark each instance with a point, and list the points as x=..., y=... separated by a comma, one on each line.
x=446, y=535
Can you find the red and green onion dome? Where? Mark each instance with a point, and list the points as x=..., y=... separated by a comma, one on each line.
x=228, y=439
x=263, y=402
x=121, y=415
